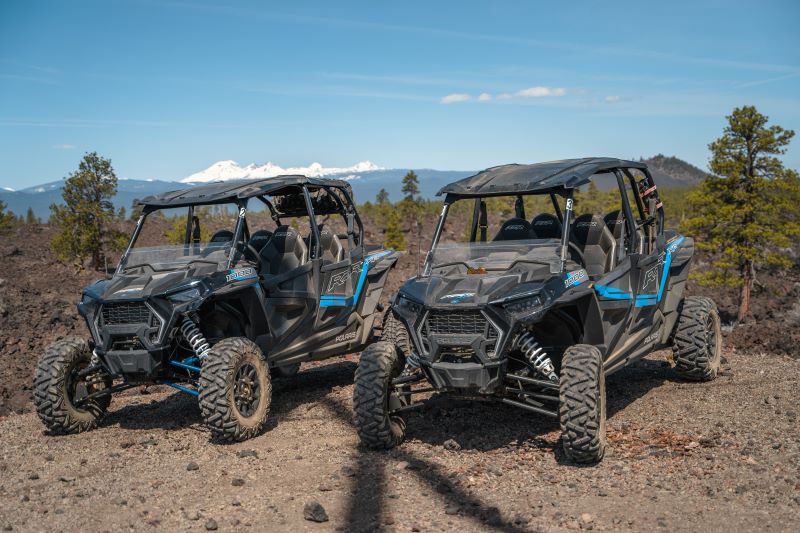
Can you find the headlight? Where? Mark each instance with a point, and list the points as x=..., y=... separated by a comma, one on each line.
x=524, y=306
x=184, y=296
x=408, y=306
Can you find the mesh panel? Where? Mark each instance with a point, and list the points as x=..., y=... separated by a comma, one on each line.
x=126, y=313
x=454, y=323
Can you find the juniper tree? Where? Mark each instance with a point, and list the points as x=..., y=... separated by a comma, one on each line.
x=393, y=235
x=747, y=211
x=85, y=220
x=30, y=217
x=7, y=218
x=382, y=197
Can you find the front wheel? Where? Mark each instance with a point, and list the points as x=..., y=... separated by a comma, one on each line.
x=582, y=409
x=697, y=341
x=60, y=391
x=235, y=390
x=373, y=399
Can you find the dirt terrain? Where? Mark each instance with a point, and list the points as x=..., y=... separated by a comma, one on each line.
x=683, y=456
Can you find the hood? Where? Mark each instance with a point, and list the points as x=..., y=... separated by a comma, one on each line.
x=473, y=290
x=133, y=287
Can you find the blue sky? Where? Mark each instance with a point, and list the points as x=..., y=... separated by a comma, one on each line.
x=166, y=88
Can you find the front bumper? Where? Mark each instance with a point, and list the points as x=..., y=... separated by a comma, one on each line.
x=483, y=378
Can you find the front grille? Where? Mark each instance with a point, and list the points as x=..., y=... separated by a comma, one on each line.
x=457, y=323
x=116, y=314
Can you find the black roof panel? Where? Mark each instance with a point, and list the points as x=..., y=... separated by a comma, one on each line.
x=536, y=178
x=220, y=192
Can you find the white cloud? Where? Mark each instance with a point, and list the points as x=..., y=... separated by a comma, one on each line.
x=454, y=98
x=484, y=97
x=611, y=99
x=505, y=96
x=539, y=91
x=64, y=146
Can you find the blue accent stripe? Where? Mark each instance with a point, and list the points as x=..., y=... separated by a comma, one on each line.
x=643, y=300
x=343, y=301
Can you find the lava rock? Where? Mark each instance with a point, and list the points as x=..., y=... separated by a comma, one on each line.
x=315, y=512
x=192, y=466
x=451, y=445
x=211, y=525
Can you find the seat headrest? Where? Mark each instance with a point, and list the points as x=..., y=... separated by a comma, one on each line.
x=589, y=229
x=285, y=238
x=325, y=235
x=260, y=239
x=222, y=235
x=546, y=226
x=615, y=223
x=515, y=229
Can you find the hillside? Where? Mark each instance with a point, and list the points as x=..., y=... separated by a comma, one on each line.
x=365, y=178
x=675, y=169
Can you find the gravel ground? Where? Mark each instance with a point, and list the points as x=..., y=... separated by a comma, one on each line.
x=684, y=457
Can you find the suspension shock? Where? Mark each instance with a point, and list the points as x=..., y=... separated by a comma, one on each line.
x=194, y=337
x=536, y=355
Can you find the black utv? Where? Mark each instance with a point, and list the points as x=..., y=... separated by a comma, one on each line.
x=284, y=278
x=536, y=312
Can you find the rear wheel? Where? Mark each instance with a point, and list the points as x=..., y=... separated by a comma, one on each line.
x=59, y=390
x=373, y=399
x=235, y=390
x=582, y=409
x=697, y=341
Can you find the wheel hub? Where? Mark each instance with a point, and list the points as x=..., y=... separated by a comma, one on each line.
x=247, y=390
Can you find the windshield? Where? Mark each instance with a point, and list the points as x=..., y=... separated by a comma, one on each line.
x=179, y=256
x=476, y=257
x=200, y=237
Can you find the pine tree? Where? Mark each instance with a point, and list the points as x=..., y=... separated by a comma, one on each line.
x=410, y=186
x=393, y=235
x=382, y=197
x=7, y=219
x=748, y=209
x=30, y=218
x=85, y=219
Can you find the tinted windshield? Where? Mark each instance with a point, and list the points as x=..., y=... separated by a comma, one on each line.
x=180, y=238
x=497, y=255
x=178, y=256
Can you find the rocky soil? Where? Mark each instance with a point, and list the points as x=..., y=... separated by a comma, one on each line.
x=683, y=457
x=717, y=456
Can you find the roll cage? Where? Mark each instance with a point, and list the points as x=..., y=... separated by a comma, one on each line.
x=298, y=189
x=558, y=178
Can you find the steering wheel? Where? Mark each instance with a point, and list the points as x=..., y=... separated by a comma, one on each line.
x=247, y=247
x=574, y=248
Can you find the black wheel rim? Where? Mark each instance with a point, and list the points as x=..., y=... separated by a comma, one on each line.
x=76, y=387
x=711, y=335
x=247, y=390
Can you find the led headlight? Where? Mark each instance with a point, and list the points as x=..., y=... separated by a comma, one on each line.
x=524, y=306
x=408, y=306
x=184, y=296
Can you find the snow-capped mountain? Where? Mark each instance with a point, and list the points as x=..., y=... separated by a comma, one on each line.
x=228, y=170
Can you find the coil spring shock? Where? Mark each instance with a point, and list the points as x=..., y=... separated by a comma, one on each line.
x=534, y=353
x=194, y=337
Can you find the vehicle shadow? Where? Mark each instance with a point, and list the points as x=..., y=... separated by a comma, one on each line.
x=366, y=507
x=448, y=418
x=180, y=410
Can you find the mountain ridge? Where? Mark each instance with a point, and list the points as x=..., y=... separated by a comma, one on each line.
x=365, y=177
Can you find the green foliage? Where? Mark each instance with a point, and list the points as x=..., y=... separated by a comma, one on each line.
x=747, y=211
x=176, y=234
x=410, y=186
x=393, y=236
x=85, y=221
x=30, y=218
x=382, y=197
x=7, y=219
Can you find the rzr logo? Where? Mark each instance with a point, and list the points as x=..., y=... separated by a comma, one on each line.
x=516, y=227
x=591, y=224
x=543, y=223
x=337, y=280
